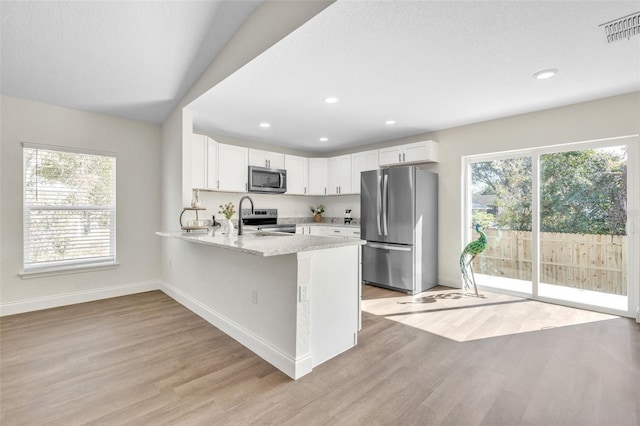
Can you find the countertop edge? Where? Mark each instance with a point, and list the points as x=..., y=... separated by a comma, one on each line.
x=317, y=243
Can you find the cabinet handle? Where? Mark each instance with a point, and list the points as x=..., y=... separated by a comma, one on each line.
x=403, y=159
x=399, y=157
x=335, y=230
x=217, y=184
x=325, y=190
x=246, y=186
x=305, y=189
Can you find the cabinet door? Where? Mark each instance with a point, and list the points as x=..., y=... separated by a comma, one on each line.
x=318, y=230
x=198, y=161
x=416, y=152
x=212, y=164
x=297, y=174
x=317, y=176
x=339, y=179
x=391, y=155
x=362, y=162
x=257, y=157
x=232, y=168
x=260, y=158
x=275, y=160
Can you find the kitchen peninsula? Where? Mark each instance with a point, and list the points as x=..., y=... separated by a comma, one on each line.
x=292, y=299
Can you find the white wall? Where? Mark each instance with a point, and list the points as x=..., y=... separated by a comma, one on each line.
x=605, y=118
x=138, y=198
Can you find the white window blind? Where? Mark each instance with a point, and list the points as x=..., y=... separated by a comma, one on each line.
x=69, y=207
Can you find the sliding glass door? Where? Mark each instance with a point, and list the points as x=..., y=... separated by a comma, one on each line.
x=583, y=226
x=557, y=223
x=501, y=203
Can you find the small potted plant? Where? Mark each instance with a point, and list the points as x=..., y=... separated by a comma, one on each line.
x=317, y=213
x=227, y=210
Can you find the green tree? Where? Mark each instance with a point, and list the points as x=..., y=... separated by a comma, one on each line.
x=580, y=191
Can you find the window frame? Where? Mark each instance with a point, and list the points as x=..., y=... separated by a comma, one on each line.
x=633, y=212
x=69, y=265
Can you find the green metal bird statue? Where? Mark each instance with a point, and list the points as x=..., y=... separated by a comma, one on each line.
x=472, y=249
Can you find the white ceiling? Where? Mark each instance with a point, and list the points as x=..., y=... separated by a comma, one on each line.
x=429, y=65
x=134, y=59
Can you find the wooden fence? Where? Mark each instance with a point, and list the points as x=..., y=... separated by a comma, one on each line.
x=590, y=262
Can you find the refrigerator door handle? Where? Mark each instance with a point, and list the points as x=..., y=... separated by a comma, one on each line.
x=385, y=205
x=379, y=204
x=388, y=247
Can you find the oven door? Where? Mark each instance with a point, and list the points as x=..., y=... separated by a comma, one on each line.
x=262, y=179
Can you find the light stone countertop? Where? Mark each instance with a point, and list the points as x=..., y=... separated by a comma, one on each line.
x=263, y=243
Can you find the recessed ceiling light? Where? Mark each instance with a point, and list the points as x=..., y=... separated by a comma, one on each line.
x=390, y=122
x=544, y=74
x=331, y=100
x=324, y=139
x=265, y=125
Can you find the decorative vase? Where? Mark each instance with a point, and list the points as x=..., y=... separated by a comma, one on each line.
x=227, y=227
x=317, y=217
x=195, y=200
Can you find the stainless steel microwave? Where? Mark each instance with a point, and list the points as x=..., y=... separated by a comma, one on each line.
x=265, y=180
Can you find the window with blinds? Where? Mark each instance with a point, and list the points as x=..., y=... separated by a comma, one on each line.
x=69, y=208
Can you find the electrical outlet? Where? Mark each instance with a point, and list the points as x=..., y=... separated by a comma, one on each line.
x=303, y=293
x=254, y=295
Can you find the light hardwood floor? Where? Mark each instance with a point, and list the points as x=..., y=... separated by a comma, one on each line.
x=145, y=359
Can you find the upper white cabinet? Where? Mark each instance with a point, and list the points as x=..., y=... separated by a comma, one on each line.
x=223, y=167
x=297, y=174
x=232, y=168
x=212, y=164
x=318, y=176
x=419, y=152
x=272, y=160
x=339, y=179
x=361, y=162
x=199, y=161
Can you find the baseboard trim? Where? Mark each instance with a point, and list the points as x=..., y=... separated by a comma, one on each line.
x=39, y=303
x=450, y=282
x=294, y=368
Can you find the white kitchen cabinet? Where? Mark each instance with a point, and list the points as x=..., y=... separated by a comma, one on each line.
x=318, y=176
x=198, y=161
x=361, y=162
x=339, y=179
x=260, y=158
x=318, y=230
x=212, y=164
x=343, y=232
x=297, y=174
x=232, y=168
x=419, y=152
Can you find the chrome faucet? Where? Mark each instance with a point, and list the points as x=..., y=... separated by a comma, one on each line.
x=240, y=212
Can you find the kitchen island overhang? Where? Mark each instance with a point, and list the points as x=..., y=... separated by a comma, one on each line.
x=294, y=300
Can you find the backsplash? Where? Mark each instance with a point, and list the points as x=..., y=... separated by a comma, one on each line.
x=290, y=207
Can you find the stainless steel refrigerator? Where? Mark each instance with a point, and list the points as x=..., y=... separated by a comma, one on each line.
x=399, y=209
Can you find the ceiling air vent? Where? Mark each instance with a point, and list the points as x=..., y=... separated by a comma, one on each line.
x=622, y=28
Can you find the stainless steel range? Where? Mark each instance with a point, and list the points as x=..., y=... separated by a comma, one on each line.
x=266, y=220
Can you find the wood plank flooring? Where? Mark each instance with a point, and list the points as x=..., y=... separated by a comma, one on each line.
x=146, y=360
